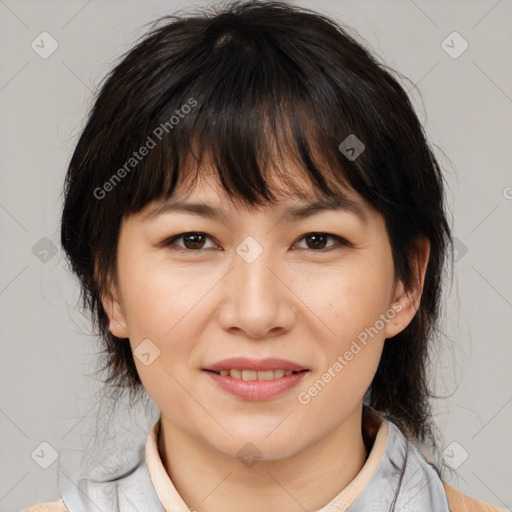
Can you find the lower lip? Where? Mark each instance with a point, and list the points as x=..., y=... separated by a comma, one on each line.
x=257, y=389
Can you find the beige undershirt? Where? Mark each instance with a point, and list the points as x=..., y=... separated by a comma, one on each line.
x=173, y=502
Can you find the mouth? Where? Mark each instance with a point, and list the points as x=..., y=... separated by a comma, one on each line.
x=252, y=375
x=234, y=365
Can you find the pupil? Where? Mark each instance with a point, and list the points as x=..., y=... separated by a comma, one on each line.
x=317, y=236
x=194, y=244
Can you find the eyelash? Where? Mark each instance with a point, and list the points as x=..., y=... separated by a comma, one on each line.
x=169, y=242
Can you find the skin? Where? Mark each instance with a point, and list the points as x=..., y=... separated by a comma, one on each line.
x=294, y=302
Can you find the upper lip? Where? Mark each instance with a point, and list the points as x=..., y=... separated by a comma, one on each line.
x=243, y=363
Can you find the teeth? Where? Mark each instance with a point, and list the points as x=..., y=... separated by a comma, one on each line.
x=255, y=375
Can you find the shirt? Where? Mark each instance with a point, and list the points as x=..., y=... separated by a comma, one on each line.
x=395, y=474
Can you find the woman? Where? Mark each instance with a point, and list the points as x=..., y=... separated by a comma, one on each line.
x=258, y=225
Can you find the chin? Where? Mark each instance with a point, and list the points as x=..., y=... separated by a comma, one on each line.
x=252, y=444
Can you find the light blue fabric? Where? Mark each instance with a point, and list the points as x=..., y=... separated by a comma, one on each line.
x=403, y=471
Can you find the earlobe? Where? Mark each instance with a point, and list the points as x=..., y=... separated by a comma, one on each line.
x=114, y=311
x=404, y=308
x=407, y=301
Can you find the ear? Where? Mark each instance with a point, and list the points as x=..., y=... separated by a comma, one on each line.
x=407, y=302
x=114, y=310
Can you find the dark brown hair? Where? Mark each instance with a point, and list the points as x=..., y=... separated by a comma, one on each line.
x=235, y=83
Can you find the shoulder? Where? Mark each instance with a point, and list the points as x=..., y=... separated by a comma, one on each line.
x=54, y=506
x=460, y=502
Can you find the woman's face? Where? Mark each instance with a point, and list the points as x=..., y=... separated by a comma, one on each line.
x=256, y=284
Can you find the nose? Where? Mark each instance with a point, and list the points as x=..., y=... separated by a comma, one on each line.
x=257, y=300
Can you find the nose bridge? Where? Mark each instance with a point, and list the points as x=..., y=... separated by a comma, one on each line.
x=252, y=268
x=258, y=301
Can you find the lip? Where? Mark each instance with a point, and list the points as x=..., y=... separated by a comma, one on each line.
x=243, y=363
x=256, y=389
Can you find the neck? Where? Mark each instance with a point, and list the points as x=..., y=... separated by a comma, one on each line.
x=211, y=481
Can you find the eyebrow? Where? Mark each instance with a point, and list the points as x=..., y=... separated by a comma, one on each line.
x=341, y=203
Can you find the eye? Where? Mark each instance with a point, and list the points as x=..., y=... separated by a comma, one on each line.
x=192, y=241
x=318, y=241
x=195, y=241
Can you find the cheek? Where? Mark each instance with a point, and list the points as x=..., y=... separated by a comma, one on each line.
x=351, y=306
x=160, y=308
x=160, y=301
x=167, y=306
x=349, y=299
x=351, y=303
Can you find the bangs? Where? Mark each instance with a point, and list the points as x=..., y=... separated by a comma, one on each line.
x=245, y=111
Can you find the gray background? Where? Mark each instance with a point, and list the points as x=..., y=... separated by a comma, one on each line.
x=47, y=390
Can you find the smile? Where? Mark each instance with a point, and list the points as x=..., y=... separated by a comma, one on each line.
x=256, y=375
